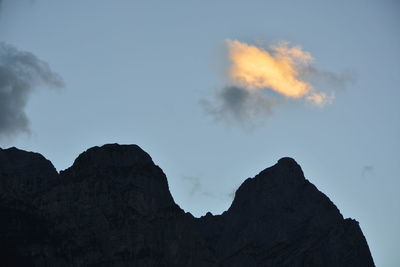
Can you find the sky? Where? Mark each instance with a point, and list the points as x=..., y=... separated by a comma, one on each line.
x=172, y=77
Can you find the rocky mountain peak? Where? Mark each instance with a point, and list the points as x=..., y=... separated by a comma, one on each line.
x=112, y=155
x=24, y=174
x=113, y=207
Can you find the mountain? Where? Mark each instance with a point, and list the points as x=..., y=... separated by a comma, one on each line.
x=112, y=207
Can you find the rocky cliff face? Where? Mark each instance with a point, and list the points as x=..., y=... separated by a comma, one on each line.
x=113, y=208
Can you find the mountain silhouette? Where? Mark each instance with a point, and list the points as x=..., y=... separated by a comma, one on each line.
x=113, y=207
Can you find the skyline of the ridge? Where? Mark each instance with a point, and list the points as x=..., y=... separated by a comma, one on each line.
x=163, y=75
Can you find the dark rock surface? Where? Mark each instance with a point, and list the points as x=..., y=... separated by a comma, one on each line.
x=113, y=208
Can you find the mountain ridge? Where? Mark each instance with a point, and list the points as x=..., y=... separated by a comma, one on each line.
x=113, y=207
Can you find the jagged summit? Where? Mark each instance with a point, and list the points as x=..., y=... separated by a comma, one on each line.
x=112, y=155
x=287, y=160
x=16, y=158
x=24, y=174
x=113, y=207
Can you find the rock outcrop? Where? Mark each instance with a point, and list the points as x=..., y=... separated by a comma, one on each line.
x=112, y=207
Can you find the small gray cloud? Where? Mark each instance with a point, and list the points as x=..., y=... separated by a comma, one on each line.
x=235, y=104
x=367, y=170
x=197, y=188
x=20, y=73
x=232, y=194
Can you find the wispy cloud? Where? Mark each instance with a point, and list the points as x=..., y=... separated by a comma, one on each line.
x=198, y=189
x=232, y=194
x=367, y=170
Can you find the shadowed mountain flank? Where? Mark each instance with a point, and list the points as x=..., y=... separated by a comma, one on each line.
x=113, y=207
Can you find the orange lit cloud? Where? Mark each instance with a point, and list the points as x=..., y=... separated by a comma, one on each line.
x=279, y=68
x=261, y=79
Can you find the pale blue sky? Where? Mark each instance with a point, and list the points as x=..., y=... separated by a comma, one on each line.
x=135, y=72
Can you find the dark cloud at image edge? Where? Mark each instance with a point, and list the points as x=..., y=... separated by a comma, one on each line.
x=21, y=73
